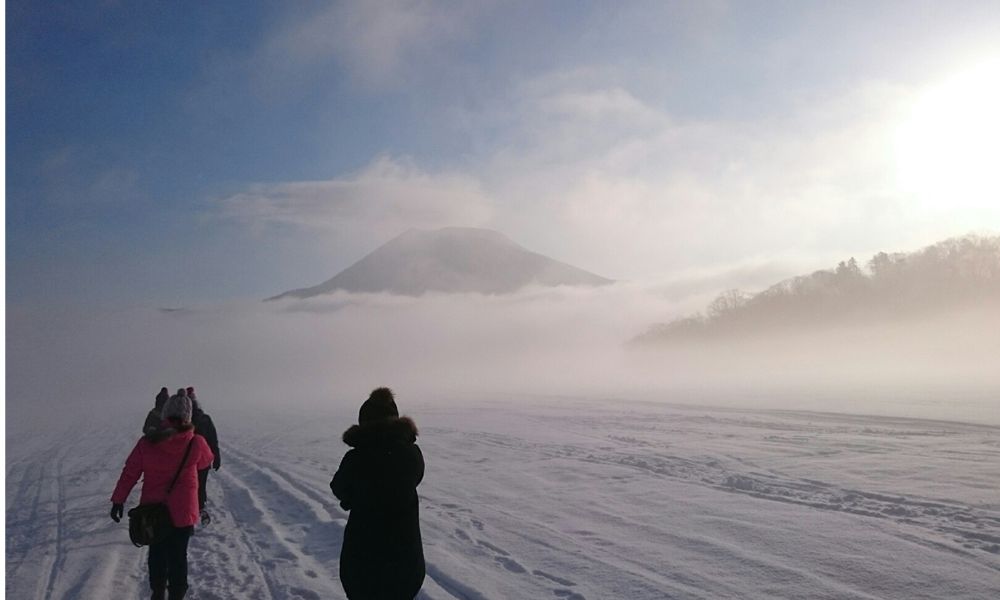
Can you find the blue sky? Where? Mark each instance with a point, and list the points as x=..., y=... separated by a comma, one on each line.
x=171, y=154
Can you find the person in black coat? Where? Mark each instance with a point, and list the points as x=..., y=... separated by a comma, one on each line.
x=204, y=426
x=154, y=417
x=382, y=556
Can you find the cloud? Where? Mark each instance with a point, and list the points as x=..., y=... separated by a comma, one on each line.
x=378, y=43
x=387, y=196
x=602, y=105
x=596, y=175
x=581, y=166
x=632, y=190
x=77, y=177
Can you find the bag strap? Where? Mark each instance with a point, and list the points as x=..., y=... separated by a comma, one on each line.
x=180, y=466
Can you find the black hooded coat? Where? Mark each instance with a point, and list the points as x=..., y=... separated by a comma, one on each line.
x=155, y=416
x=204, y=426
x=382, y=556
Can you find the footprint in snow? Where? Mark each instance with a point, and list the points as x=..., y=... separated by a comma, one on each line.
x=553, y=578
x=503, y=557
x=304, y=594
x=496, y=549
x=510, y=564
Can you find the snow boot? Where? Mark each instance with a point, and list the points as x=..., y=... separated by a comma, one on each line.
x=159, y=594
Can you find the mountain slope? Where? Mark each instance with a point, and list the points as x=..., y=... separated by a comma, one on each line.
x=450, y=260
x=955, y=274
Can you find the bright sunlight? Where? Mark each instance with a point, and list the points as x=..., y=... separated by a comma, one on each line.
x=948, y=148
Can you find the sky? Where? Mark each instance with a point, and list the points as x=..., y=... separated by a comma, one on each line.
x=176, y=154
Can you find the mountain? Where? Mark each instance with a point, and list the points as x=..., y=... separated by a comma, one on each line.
x=953, y=275
x=450, y=260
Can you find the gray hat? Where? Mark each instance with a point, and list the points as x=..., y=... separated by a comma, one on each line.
x=178, y=407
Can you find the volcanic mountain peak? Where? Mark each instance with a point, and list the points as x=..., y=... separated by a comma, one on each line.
x=450, y=260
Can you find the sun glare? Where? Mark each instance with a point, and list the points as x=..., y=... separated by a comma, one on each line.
x=948, y=147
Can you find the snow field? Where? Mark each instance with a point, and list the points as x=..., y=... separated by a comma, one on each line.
x=548, y=499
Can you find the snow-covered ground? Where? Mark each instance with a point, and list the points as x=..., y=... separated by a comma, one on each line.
x=562, y=499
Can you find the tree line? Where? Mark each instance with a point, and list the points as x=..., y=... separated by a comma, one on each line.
x=955, y=273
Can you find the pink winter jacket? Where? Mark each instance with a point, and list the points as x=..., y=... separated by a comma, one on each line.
x=158, y=462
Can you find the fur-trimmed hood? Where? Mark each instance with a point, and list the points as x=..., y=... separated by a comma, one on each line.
x=166, y=430
x=396, y=430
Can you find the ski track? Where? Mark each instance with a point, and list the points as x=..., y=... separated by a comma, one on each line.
x=959, y=527
x=478, y=541
x=291, y=547
x=324, y=509
x=60, y=550
x=51, y=520
x=23, y=523
x=276, y=529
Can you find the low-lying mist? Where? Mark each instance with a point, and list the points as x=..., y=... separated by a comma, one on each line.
x=329, y=352
x=323, y=351
x=940, y=366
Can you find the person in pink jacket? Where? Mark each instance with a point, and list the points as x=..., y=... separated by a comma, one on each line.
x=156, y=458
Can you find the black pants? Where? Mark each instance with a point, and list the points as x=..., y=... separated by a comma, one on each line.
x=168, y=561
x=202, y=494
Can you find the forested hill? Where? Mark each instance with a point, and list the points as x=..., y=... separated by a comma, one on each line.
x=953, y=274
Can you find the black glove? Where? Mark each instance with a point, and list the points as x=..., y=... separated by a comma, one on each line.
x=216, y=463
x=117, y=510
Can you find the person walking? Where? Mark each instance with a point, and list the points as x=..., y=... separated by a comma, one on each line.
x=204, y=426
x=382, y=555
x=155, y=416
x=156, y=458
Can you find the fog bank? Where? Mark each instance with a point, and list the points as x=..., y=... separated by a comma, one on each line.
x=328, y=353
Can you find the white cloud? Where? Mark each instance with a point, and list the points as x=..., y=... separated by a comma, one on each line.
x=579, y=165
x=622, y=187
x=388, y=196
x=377, y=42
x=615, y=104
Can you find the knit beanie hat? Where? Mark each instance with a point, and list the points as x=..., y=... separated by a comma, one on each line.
x=379, y=405
x=178, y=407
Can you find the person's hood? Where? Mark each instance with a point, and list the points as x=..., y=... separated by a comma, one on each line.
x=168, y=434
x=395, y=430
